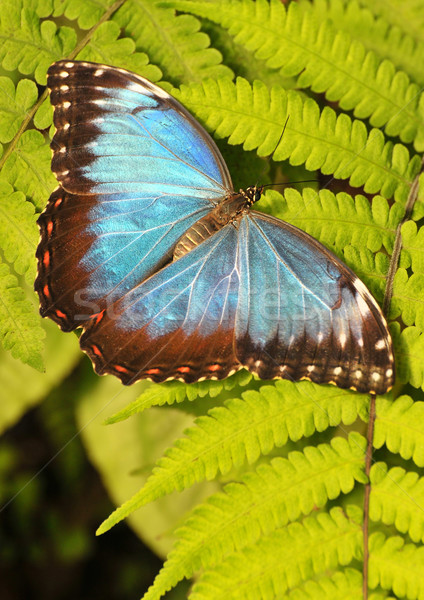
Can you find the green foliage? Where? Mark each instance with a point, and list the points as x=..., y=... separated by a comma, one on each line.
x=20, y=330
x=347, y=75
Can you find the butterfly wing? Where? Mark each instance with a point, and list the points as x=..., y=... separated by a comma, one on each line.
x=178, y=324
x=135, y=171
x=303, y=314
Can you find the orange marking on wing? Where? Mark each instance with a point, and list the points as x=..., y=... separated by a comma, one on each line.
x=152, y=372
x=46, y=291
x=50, y=227
x=96, y=350
x=214, y=368
x=46, y=258
x=98, y=316
x=120, y=369
x=60, y=314
x=58, y=202
x=184, y=369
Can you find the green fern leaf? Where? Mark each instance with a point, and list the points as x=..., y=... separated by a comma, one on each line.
x=87, y=12
x=176, y=392
x=400, y=426
x=406, y=14
x=326, y=60
x=172, y=42
x=28, y=44
x=255, y=117
x=409, y=352
x=14, y=105
x=397, y=498
x=241, y=431
x=27, y=169
x=267, y=499
x=397, y=566
x=337, y=220
x=20, y=330
x=408, y=298
x=413, y=246
x=105, y=47
x=346, y=584
x=285, y=558
x=370, y=268
x=375, y=33
x=18, y=230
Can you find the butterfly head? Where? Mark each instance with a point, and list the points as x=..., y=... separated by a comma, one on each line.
x=252, y=194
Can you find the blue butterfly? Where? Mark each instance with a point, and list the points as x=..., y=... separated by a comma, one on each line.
x=171, y=275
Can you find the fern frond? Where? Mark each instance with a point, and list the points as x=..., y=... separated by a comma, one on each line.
x=14, y=104
x=400, y=426
x=176, y=392
x=408, y=298
x=172, y=42
x=264, y=500
x=325, y=60
x=413, y=246
x=255, y=116
x=397, y=498
x=375, y=33
x=338, y=220
x=106, y=46
x=285, y=558
x=397, y=566
x=86, y=12
x=241, y=431
x=409, y=351
x=28, y=44
x=406, y=14
x=371, y=268
x=20, y=330
x=18, y=230
x=27, y=169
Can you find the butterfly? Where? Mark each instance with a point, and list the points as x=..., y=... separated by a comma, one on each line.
x=169, y=272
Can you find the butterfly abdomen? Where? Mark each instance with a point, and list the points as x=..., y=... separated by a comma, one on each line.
x=225, y=212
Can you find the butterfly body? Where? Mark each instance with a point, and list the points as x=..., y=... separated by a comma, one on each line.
x=171, y=275
x=228, y=211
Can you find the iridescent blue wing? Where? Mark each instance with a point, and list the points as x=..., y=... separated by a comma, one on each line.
x=260, y=294
x=135, y=171
x=303, y=314
x=178, y=324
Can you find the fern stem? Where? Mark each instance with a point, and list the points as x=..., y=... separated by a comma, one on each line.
x=412, y=197
x=368, y=462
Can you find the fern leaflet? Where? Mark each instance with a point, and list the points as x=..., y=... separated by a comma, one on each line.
x=400, y=426
x=397, y=566
x=285, y=558
x=409, y=351
x=397, y=498
x=20, y=330
x=18, y=230
x=255, y=116
x=413, y=246
x=14, y=105
x=174, y=43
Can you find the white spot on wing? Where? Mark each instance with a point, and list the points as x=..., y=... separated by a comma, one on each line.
x=337, y=370
x=66, y=104
x=376, y=376
x=64, y=88
x=358, y=373
x=98, y=72
x=69, y=65
x=389, y=372
x=380, y=345
x=64, y=74
x=342, y=339
x=66, y=126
